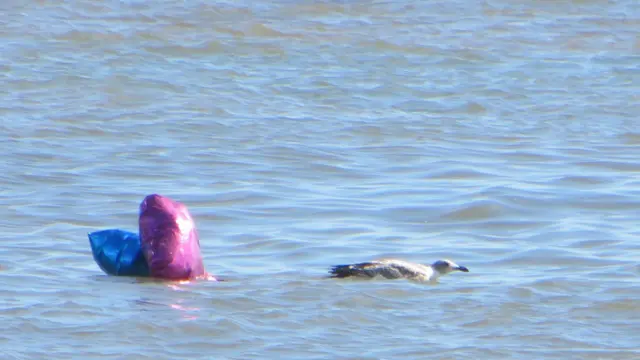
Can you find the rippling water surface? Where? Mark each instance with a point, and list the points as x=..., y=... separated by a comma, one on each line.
x=301, y=134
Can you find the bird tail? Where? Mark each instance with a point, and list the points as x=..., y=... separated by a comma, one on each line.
x=345, y=271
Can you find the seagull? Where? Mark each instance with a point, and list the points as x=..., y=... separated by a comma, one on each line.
x=396, y=269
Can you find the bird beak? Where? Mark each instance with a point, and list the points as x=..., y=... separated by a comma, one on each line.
x=462, y=268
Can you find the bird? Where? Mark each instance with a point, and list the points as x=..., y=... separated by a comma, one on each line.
x=396, y=269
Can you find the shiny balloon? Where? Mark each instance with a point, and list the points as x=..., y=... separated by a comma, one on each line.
x=169, y=239
x=118, y=252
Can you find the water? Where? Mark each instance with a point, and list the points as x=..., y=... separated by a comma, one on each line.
x=503, y=135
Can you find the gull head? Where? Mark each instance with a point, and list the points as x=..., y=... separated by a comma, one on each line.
x=447, y=266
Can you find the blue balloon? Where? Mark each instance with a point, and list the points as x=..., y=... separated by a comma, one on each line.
x=118, y=252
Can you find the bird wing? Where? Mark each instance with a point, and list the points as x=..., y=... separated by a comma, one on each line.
x=391, y=269
x=407, y=269
x=387, y=268
x=374, y=268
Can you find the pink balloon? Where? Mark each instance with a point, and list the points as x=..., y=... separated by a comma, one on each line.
x=169, y=239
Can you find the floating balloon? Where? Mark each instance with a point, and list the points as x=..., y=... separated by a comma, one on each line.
x=169, y=239
x=118, y=252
